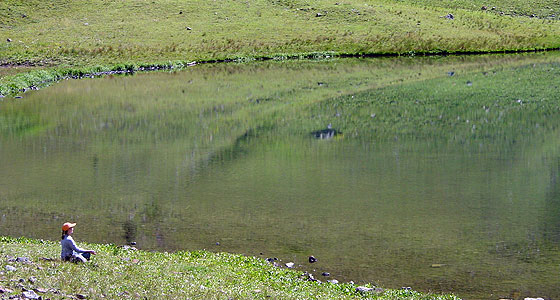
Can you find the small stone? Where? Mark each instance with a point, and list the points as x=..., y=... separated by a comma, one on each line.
x=333, y=281
x=180, y=12
x=217, y=243
x=364, y=289
x=188, y=28
x=484, y=8
x=312, y=259
x=326, y=274
x=469, y=83
x=309, y=276
x=133, y=243
x=81, y=296
x=40, y=290
x=319, y=15
x=450, y=16
x=10, y=268
x=21, y=280
x=30, y=295
x=290, y=265
x=372, y=115
x=5, y=290
x=8, y=40
x=23, y=260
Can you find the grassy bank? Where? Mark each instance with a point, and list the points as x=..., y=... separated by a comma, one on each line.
x=117, y=273
x=78, y=36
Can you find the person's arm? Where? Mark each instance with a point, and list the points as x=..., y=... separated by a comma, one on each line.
x=78, y=249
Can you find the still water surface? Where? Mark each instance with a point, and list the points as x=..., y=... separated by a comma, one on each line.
x=414, y=189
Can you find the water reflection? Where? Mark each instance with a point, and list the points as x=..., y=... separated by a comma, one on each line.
x=436, y=185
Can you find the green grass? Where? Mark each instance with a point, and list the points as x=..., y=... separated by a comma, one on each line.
x=116, y=273
x=75, y=34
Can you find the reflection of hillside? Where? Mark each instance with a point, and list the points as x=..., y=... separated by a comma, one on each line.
x=551, y=218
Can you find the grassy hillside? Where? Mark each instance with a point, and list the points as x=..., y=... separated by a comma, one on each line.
x=109, y=31
x=80, y=35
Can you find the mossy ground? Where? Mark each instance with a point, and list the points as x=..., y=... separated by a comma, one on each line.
x=117, y=273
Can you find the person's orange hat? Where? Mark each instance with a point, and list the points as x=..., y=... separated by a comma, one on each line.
x=67, y=226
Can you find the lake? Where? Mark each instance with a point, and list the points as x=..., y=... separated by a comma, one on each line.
x=436, y=173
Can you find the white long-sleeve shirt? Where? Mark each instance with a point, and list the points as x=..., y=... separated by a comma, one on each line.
x=69, y=247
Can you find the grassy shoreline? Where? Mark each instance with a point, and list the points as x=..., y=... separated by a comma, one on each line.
x=13, y=85
x=116, y=272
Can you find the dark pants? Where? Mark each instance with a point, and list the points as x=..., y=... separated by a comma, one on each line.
x=80, y=257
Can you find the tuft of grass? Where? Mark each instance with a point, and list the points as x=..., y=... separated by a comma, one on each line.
x=119, y=273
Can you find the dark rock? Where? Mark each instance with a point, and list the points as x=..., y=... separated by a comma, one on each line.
x=270, y=259
x=81, y=296
x=217, y=243
x=188, y=28
x=8, y=40
x=319, y=15
x=469, y=83
x=484, y=8
x=327, y=133
x=23, y=15
x=450, y=16
x=450, y=73
x=312, y=259
x=133, y=243
x=18, y=97
x=180, y=12
x=326, y=274
x=21, y=280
